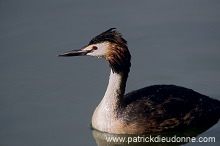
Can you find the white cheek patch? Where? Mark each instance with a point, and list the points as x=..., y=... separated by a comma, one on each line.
x=100, y=51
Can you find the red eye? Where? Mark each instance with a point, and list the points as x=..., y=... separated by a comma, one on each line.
x=94, y=48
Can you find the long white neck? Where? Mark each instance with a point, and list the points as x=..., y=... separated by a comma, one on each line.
x=115, y=91
x=106, y=112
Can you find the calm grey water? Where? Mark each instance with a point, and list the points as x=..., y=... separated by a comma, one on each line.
x=49, y=101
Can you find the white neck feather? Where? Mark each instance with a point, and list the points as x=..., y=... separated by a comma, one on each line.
x=105, y=114
x=115, y=90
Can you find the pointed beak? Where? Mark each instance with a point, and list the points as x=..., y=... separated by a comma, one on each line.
x=80, y=52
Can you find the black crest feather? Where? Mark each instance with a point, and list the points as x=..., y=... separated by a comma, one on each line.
x=111, y=35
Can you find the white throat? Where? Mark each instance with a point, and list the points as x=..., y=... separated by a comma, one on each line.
x=104, y=116
x=115, y=89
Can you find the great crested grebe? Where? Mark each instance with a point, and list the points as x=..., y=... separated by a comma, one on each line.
x=155, y=108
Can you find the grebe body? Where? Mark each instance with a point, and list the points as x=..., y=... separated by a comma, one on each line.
x=157, y=108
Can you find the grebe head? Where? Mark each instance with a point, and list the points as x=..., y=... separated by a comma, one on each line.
x=109, y=45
